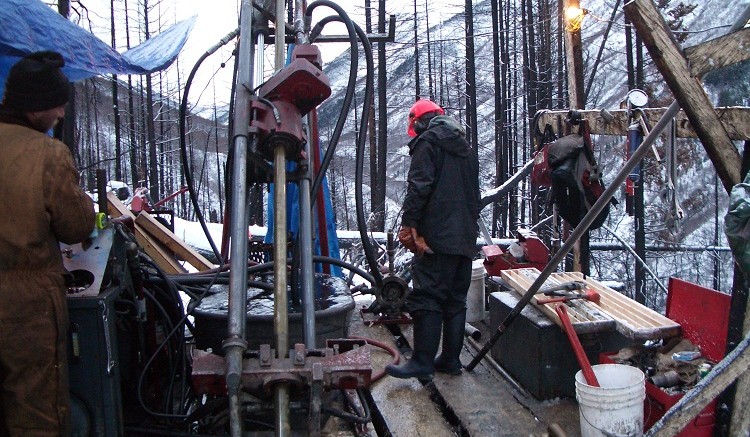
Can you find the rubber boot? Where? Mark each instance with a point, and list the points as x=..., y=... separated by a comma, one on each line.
x=426, y=341
x=453, y=340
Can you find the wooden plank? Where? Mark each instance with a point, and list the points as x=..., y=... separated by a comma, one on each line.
x=719, y=52
x=688, y=91
x=735, y=119
x=584, y=315
x=116, y=208
x=161, y=257
x=614, y=311
x=633, y=320
x=164, y=259
x=172, y=242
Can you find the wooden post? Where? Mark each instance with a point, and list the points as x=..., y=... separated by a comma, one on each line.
x=692, y=98
x=574, y=54
x=687, y=89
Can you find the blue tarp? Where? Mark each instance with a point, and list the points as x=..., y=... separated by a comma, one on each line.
x=30, y=25
x=293, y=217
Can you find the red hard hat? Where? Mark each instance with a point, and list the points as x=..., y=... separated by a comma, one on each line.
x=420, y=108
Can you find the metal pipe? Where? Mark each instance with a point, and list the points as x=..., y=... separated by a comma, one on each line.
x=306, y=253
x=472, y=332
x=235, y=344
x=305, y=213
x=280, y=308
x=579, y=230
x=281, y=311
x=259, y=58
x=499, y=369
x=637, y=258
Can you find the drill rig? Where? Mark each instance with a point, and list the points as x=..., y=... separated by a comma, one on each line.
x=152, y=364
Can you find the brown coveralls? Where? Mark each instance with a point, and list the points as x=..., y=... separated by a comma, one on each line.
x=43, y=205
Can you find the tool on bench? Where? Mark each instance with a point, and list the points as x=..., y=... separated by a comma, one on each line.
x=589, y=295
x=565, y=286
x=583, y=360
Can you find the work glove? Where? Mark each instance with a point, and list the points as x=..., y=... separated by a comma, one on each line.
x=411, y=240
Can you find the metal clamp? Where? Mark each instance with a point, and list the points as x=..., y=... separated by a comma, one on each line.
x=107, y=339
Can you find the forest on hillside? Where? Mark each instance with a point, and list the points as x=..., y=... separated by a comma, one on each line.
x=491, y=64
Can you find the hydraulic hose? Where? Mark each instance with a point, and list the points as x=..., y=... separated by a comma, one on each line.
x=202, y=280
x=183, y=146
x=369, y=91
x=360, y=160
x=258, y=268
x=395, y=354
x=349, y=90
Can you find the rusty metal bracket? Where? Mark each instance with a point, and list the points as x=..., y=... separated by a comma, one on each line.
x=343, y=364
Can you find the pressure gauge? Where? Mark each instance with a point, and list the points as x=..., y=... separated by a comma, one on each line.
x=637, y=98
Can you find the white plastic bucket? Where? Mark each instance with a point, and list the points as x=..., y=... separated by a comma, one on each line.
x=475, y=296
x=617, y=406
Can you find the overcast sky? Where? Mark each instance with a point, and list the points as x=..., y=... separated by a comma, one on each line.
x=216, y=18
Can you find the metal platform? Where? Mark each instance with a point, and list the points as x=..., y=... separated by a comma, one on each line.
x=477, y=403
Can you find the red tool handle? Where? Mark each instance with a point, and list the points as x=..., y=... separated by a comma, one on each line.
x=543, y=301
x=583, y=360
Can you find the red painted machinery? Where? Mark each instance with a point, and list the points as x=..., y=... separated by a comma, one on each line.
x=528, y=251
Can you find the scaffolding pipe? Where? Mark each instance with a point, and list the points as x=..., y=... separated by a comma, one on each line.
x=582, y=227
x=235, y=344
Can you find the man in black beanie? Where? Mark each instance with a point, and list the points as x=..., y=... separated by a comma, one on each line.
x=37, y=177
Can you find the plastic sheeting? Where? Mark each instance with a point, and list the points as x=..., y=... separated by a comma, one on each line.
x=30, y=25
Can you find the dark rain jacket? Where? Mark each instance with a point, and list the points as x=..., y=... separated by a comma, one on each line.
x=442, y=197
x=43, y=206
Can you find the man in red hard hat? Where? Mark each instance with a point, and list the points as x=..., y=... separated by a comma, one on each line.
x=37, y=177
x=439, y=225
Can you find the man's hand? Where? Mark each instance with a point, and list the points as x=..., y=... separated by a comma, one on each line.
x=406, y=238
x=411, y=240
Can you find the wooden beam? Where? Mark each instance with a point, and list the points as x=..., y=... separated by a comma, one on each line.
x=688, y=91
x=735, y=119
x=172, y=242
x=115, y=208
x=161, y=256
x=719, y=52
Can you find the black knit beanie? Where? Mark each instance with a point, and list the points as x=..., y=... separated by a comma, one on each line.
x=35, y=83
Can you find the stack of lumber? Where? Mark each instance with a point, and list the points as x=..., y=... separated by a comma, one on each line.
x=631, y=319
x=164, y=247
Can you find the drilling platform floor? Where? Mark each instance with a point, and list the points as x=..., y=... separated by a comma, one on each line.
x=477, y=403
